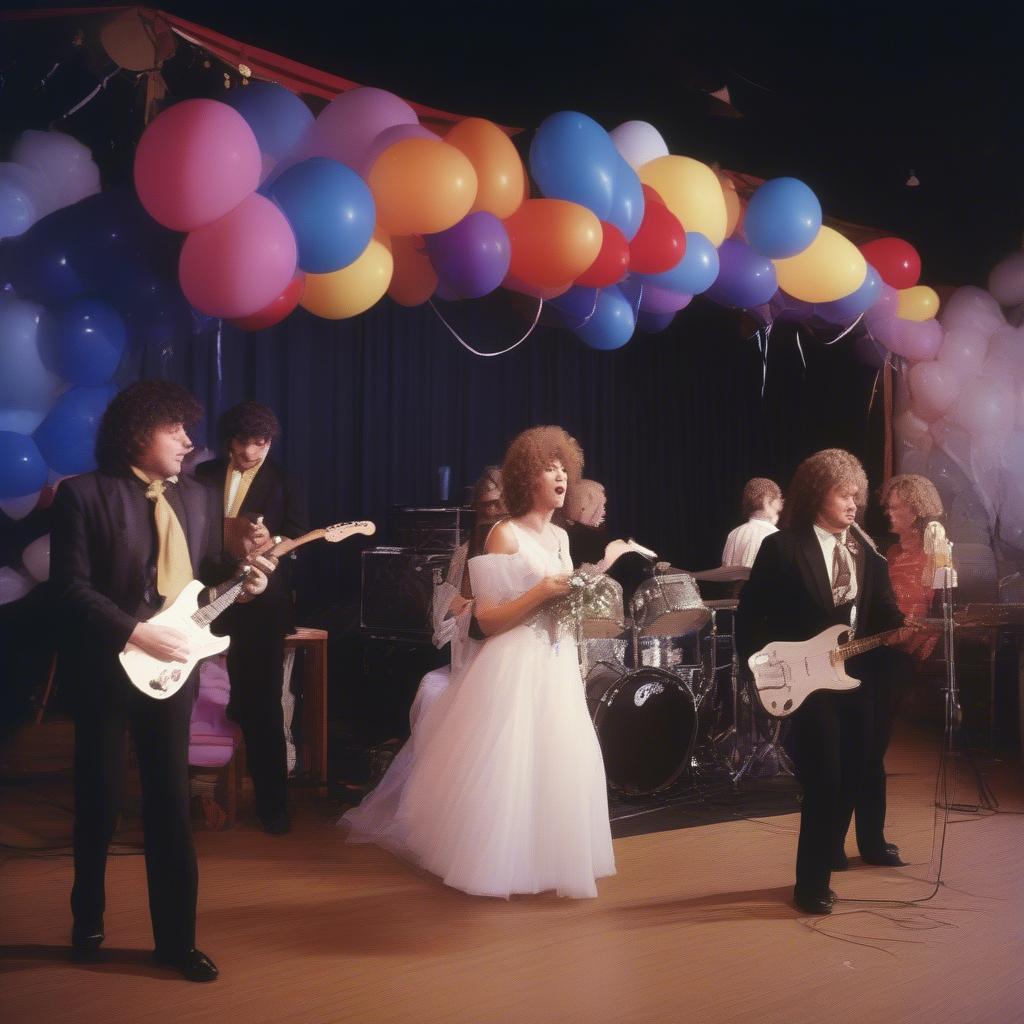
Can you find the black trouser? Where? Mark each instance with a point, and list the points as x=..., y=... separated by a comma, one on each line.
x=891, y=671
x=160, y=732
x=255, y=666
x=828, y=744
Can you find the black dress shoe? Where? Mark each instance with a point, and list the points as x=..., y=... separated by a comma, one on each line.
x=840, y=861
x=887, y=857
x=814, y=902
x=86, y=948
x=193, y=965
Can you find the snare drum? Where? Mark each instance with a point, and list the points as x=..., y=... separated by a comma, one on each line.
x=669, y=606
x=646, y=724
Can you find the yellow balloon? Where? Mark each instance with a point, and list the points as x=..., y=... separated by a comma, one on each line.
x=353, y=289
x=829, y=268
x=733, y=204
x=692, y=192
x=917, y=303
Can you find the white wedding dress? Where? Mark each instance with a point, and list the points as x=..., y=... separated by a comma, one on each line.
x=501, y=787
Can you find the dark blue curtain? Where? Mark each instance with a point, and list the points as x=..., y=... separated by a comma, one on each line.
x=672, y=424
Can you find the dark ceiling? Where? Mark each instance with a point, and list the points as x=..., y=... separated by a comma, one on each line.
x=849, y=97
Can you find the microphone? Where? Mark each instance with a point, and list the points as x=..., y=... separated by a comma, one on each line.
x=938, y=571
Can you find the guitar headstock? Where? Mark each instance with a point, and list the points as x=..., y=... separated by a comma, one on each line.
x=339, y=531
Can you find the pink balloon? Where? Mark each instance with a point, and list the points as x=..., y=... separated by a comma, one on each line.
x=883, y=310
x=972, y=309
x=663, y=300
x=914, y=340
x=388, y=137
x=196, y=162
x=986, y=407
x=965, y=351
x=1006, y=353
x=347, y=126
x=239, y=264
x=1020, y=416
x=934, y=387
x=1006, y=280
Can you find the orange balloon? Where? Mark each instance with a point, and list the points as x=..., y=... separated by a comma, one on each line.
x=501, y=179
x=421, y=186
x=553, y=241
x=414, y=279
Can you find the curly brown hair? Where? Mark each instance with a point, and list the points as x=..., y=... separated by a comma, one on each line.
x=248, y=420
x=919, y=495
x=756, y=491
x=528, y=456
x=815, y=477
x=129, y=421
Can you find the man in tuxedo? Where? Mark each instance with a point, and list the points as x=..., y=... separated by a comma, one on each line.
x=257, y=503
x=125, y=541
x=821, y=570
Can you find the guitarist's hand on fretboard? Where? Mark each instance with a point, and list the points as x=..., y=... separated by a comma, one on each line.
x=260, y=567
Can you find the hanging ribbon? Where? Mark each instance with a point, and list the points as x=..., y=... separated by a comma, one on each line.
x=843, y=334
x=88, y=99
x=465, y=344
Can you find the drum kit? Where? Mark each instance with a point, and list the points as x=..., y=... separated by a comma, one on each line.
x=652, y=681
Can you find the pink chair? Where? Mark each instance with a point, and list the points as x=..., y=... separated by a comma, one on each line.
x=214, y=740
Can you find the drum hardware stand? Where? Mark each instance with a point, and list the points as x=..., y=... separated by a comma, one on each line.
x=954, y=742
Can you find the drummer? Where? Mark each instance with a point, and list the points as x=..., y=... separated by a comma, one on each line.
x=761, y=504
x=584, y=511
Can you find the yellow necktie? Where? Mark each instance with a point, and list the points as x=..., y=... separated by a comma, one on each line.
x=173, y=565
x=246, y=478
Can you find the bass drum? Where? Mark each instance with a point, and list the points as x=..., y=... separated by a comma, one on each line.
x=646, y=723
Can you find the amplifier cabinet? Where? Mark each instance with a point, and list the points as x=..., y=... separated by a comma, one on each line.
x=441, y=529
x=398, y=587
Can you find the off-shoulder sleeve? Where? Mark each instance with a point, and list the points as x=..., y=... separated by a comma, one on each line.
x=496, y=579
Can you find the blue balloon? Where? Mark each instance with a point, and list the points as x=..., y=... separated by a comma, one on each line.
x=572, y=157
x=627, y=201
x=575, y=306
x=67, y=437
x=278, y=118
x=17, y=211
x=695, y=273
x=330, y=209
x=25, y=383
x=782, y=219
x=22, y=470
x=613, y=322
x=745, y=278
x=849, y=307
x=45, y=267
x=87, y=343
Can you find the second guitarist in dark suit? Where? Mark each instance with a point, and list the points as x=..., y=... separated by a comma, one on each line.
x=818, y=571
x=257, y=503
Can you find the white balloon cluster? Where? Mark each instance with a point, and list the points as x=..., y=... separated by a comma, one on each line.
x=47, y=171
x=961, y=419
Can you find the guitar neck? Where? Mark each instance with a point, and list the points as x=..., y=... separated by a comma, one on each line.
x=855, y=647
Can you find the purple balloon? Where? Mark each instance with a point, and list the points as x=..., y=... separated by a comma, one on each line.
x=784, y=307
x=885, y=308
x=845, y=310
x=472, y=258
x=663, y=300
x=745, y=278
x=652, y=323
x=912, y=339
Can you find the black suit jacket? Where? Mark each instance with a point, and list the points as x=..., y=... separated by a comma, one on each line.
x=102, y=549
x=789, y=594
x=270, y=495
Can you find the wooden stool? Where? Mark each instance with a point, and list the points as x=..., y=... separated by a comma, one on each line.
x=313, y=643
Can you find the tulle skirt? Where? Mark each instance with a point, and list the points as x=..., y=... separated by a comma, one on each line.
x=501, y=788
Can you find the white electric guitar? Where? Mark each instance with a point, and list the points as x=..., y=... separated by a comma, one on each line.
x=163, y=679
x=787, y=673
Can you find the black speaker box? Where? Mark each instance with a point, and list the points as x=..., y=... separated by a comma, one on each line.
x=397, y=588
x=441, y=529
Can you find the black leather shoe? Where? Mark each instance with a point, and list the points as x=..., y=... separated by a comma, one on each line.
x=277, y=826
x=86, y=948
x=814, y=903
x=840, y=861
x=887, y=857
x=194, y=965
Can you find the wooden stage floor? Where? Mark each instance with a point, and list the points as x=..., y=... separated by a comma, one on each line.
x=696, y=927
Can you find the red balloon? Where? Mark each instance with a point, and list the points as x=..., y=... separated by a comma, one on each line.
x=281, y=307
x=612, y=263
x=661, y=241
x=896, y=261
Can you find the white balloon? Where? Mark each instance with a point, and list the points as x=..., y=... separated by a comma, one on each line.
x=18, y=508
x=638, y=143
x=965, y=351
x=1006, y=281
x=64, y=161
x=36, y=558
x=972, y=309
x=13, y=585
x=911, y=430
x=933, y=388
x=1006, y=353
x=986, y=407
